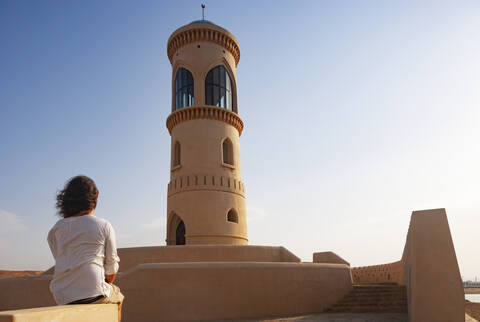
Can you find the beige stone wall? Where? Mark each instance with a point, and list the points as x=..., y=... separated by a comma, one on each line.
x=431, y=273
x=25, y=292
x=221, y=291
x=70, y=313
x=208, y=291
x=130, y=257
x=378, y=274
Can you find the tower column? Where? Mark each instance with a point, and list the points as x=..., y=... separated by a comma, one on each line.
x=206, y=195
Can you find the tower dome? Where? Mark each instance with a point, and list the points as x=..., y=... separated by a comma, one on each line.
x=206, y=196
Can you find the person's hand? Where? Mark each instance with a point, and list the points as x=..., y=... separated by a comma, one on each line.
x=110, y=278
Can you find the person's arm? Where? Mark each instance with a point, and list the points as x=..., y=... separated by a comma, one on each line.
x=111, y=257
x=51, y=242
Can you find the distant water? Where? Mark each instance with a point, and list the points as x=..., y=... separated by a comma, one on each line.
x=473, y=297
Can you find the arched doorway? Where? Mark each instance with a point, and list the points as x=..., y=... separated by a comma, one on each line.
x=176, y=230
x=180, y=234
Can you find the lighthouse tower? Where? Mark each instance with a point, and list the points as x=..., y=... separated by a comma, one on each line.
x=206, y=195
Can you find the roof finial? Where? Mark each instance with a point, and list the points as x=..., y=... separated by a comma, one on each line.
x=203, y=11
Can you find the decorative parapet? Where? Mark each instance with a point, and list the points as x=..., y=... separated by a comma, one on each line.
x=378, y=274
x=204, y=112
x=218, y=36
x=196, y=182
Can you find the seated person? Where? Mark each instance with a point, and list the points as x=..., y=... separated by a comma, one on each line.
x=83, y=245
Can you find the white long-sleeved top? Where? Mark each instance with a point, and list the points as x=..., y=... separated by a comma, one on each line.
x=84, y=249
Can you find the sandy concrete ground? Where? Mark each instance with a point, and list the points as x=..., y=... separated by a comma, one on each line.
x=347, y=317
x=340, y=317
x=473, y=309
x=468, y=318
x=470, y=290
x=4, y=273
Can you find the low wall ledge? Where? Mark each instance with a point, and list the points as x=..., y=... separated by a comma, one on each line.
x=64, y=313
x=233, y=265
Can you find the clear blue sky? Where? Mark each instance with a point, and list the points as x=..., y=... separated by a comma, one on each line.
x=356, y=113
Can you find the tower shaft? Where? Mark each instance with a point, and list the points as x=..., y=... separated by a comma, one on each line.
x=206, y=195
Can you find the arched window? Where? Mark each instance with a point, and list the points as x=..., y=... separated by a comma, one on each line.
x=218, y=88
x=227, y=148
x=176, y=154
x=183, y=88
x=232, y=216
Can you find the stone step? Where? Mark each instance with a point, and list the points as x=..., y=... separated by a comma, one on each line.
x=379, y=304
x=378, y=291
x=371, y=302
x=384, y=304
x=394, y=290
x=378, y=286
x=376, y=298
x=354, y=295
x=368, y=310
x=386, y=298
x=373, y=299
x=366, y=290
x=374, y=307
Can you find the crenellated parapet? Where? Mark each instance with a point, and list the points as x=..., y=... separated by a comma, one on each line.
x=196, y=182
x=208, y=32
x=205, y=112
x=378, y=274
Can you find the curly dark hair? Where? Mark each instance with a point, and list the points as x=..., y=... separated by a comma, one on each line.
x=78, y=196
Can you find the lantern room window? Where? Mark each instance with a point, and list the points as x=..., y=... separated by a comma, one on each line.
x=218, y=88
x=183, y=88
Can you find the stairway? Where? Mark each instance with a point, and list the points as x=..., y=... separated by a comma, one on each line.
x=384, y=298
